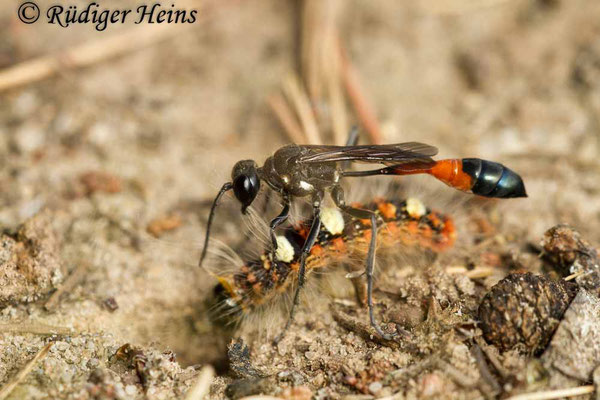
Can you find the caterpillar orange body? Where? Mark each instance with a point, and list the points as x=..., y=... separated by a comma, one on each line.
x=407, y=223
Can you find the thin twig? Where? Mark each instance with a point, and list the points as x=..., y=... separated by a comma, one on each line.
x=487, y=242
x=345, y=302
x=363, y=108
x=286, y=118
x=297, y=96
x=475, y=273
x=481, y=272
x=555, y=394
x=458, y=377
x=8, y=388
x=201, y=386
x=321, y=63
x=460, y=7
x=73, y=280
x=456, y=269
x=85, y=54
x=577, y=275
x=367, y=332
x=415, y=369
x=311, y=37
x=35, y=328
x=491, y=356
x=335, y=91
x=91, y=53
x=484, y=371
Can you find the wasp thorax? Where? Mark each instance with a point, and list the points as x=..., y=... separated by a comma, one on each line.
x=246, y=182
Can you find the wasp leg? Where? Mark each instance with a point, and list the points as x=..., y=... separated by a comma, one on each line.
x=267, y=202
x=352, y=136
x=338, y=197
x=278, y=220
x=308, y=244
x=351, y=141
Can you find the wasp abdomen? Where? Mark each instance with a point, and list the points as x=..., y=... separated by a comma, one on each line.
x=492, y=179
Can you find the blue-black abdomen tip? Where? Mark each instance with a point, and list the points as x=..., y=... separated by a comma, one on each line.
x=510, y=185
x=492, y=179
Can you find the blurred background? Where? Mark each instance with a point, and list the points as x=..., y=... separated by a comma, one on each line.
x=127, y=134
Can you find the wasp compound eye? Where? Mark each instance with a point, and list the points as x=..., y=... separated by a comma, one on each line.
x=245, y=188
x=246, y=182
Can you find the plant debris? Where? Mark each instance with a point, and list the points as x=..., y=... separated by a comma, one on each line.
x=572, y=256
x=99, y=181
x=574, y=352
x=524, y=310
x=30, y=264
x=158, y=226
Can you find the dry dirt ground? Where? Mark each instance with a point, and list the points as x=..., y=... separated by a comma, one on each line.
x=91, y=157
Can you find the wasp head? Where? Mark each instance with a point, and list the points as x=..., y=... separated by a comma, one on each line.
x=246, y=182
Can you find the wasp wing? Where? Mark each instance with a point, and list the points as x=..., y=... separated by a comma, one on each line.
x=389, y=154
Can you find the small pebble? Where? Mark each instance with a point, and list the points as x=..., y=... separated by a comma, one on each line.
x=297, y=393
x=100, y=181
x=163, y=224
x=61, y=346
x=375, y=387
x=130, y=390
x=431, y=385
x=111, y=304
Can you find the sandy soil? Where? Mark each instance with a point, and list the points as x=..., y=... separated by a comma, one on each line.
x=91, y=157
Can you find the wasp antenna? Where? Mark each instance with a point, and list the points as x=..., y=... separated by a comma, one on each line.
x=226, y=187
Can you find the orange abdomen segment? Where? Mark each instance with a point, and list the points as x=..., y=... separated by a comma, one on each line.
x=451, y=173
